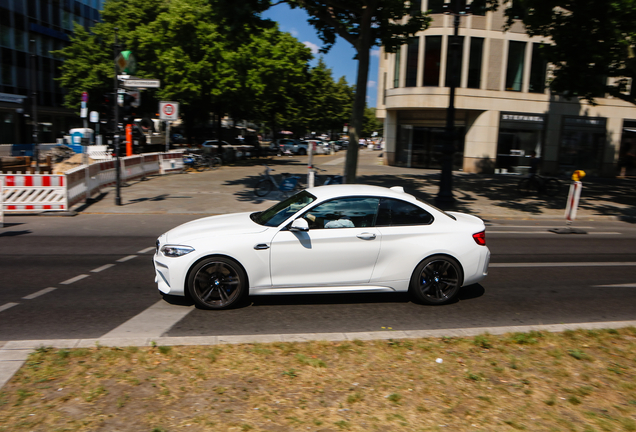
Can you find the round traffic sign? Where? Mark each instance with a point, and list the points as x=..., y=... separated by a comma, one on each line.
x=84, y=97
x=168, y=109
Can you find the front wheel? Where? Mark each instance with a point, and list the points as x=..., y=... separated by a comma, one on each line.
x=436, y=280
x=263, y=187
x=215, y=162
x=217, y=283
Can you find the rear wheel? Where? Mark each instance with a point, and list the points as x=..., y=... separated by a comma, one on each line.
x=217, y=283
x=215, y=162
x=551, y=187
x=263, y=187
x=437, y=280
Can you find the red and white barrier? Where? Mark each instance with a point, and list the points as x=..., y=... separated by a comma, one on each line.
x=39, y=192
x=573, y=201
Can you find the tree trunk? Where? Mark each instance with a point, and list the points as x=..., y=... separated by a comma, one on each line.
x=363, y=49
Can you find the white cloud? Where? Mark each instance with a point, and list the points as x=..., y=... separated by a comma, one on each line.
x=294, y=32
x=375, y=53
x=312, y=46
x=371, y=83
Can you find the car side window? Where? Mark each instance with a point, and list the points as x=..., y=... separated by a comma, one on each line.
x=355, y=212
x=394, y=212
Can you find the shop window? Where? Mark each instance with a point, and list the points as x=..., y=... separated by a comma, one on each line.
x=454, y=60
x=5, y=36
x=432, y=60
x=514, y=71
x=474, y=62
x=412, y=61
x=537, y=70
x=396, y=69
x=582, y=144
x=436, y=6
x=19, y=40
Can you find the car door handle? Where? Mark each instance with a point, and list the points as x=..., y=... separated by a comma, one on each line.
x=366, y=236
x=261, y=246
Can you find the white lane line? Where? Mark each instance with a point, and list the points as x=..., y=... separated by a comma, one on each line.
x=548, y=232
x=153, y=322
x=6, y=306
x=102, y=268
x=75, y=279
x=627, y=285
x=335, y=161
x=143, y=251
x=39, y=293
x=564, y=264
x=128, y=258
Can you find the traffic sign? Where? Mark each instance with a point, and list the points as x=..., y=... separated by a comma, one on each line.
x=168, y=110
x=84, y=97
x=142, y=83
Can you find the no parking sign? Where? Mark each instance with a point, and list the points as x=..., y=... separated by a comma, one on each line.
x=169, y=111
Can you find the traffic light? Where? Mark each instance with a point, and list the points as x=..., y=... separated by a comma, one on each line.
x=127, y=110
x=106, y=110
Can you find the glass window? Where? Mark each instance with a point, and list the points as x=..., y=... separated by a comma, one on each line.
x=412, y=61
x=396, y=75
x=454, y=60
x=344, y=213
x=537, y=70
x=5, y=36
x=436, y=6
x=280, y=212
x=415, y=6
x=394, y=212
x=20, y=37
x=432, y=60
x=478, y=7
x=474, y=62
x=516, y=59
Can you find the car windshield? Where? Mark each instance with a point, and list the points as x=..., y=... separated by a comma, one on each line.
x=280, y=212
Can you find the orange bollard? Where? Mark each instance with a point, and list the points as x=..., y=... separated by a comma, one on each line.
x=129, y=141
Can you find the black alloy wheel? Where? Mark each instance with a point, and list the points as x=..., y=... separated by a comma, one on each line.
x=217, y=283
x=437, y=280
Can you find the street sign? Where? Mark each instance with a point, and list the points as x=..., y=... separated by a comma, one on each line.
x=142, y=83
x=126, y=62
x=83, y=112
x=84, y=97
x=168, y=110
x=94, y=116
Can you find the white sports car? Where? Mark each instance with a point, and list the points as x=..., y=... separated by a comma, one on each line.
x=327, y=239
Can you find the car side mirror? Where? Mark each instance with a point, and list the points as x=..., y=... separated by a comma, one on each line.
x=299, y=224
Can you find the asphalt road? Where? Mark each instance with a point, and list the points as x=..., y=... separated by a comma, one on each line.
x=88, y=276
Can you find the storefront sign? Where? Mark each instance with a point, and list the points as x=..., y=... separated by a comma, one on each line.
x=522, y=117
x=12, y=98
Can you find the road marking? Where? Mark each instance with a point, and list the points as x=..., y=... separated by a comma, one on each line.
x=547, y=232
x=6, y=306
x=564, y=264
x=627, y=285
x=143, y=251
x=102, y=268
x=128, y=258
x=75, y=279
x=39, y=293
x=153, y=322
x=335, y=161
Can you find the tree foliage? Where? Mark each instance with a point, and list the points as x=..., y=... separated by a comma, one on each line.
x=591, y=42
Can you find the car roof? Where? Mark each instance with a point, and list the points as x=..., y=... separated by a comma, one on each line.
x=335, y=191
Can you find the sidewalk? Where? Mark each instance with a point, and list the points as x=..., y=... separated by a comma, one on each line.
x=230, y=189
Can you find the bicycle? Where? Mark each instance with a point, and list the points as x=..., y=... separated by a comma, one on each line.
x=212, y=162
x=193, y=161
x=549, y=186
x=330, y=179
x=267, y=183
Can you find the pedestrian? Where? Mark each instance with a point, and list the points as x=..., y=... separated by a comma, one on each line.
x=534, y=163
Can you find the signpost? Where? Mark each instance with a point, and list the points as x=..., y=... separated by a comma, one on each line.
x=142, y=83
x=168, y=111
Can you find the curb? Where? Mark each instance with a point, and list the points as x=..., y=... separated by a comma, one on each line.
x=13, y=354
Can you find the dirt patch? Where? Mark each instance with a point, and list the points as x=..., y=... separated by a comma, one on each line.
x=573, y=381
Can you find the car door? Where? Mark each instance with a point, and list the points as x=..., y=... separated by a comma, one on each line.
x=340, y=248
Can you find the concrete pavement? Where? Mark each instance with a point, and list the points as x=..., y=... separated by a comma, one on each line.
x=230, y=189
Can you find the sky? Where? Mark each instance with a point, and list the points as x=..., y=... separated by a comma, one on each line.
x=339, y=59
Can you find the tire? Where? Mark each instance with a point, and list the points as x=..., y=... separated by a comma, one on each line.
x=552, y=187
x=263, y=187
x=436, y=280
x=528, y=186
x=302, y=151
x=199, y=165
x=217, y=283
x=215, y=162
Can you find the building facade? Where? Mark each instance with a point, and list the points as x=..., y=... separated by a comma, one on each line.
x=48, y=23
x=503, y=109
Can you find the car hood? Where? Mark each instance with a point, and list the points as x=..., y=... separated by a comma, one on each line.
x=213, y=226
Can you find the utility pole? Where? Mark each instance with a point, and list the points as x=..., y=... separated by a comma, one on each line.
x=34, y=105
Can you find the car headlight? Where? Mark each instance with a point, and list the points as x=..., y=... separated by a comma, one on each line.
x=174, y=251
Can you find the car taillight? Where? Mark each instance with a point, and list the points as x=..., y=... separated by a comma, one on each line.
x=480, y=238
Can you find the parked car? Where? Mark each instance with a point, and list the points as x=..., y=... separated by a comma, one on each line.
x=292, y=145
x=392, y=242
x=320, y=147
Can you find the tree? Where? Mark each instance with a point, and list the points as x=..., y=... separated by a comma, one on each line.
x=364, y=24
x=371, y=123
x=592, y=43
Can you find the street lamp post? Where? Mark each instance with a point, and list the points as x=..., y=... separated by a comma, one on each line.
x=445, y=196
x=116, y=125
x=34, y=105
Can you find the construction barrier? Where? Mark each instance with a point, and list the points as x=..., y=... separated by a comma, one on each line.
x=39, y=192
